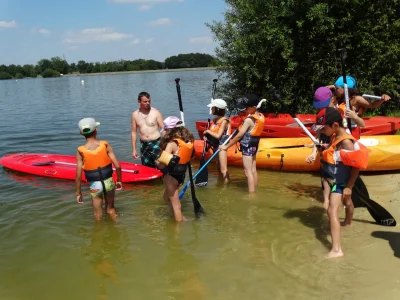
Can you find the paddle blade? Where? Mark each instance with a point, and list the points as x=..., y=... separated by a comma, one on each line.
x=378, y=213
x=202, y=178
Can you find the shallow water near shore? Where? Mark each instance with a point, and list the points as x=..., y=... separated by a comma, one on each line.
x=268, y=246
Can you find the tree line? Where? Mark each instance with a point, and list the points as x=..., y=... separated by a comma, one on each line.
x=295, y=48
x=56, y=66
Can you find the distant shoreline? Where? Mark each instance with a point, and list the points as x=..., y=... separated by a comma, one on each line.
x=140, y=72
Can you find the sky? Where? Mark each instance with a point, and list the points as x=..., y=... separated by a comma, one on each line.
x=105, y=30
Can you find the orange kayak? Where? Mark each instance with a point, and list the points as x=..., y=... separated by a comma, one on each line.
x=283, y=125
x=289, y=154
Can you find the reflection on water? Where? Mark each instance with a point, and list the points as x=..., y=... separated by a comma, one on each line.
x=269, y=246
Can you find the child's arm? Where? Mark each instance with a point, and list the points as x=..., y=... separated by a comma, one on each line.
x=353, y=115
x=222, y=129
x=246, y=125
x=117, y=166
x=78, y=177
x=348, y=145
x=171, y=147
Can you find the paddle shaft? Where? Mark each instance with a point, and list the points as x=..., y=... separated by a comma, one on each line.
x=178, y=90
x=346, y=89
x=72, y=164
x=205, y=164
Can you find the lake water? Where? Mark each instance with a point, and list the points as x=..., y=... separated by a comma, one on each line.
x=270, y=246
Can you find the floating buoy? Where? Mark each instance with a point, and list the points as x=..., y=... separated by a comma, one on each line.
x=83, y=81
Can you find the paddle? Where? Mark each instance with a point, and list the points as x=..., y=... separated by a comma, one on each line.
x=196, y=203
x=377, y=97
x=343, y=56
x=202, y=179
x=52, y=162
x=178, y=91
x=206, y=163
x=360, y=193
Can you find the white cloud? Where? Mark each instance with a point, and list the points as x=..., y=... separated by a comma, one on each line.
x=201, y=40
x=5, y=24
x=145, y=1
x=149, y=41
x=95, y=35
x=44, y=32
x=144, y=7
x=135, y=42
x=160, y=22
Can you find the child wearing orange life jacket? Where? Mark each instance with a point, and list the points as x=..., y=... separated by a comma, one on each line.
x=217, y=134
x=176, y=140
x=342, y=162
x=358, y=103
x=95, y=158
x=249, y=136
x=323, y=98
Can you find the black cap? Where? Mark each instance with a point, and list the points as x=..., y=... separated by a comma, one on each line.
x=248, y=100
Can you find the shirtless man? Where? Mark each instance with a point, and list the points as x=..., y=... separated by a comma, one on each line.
x=149, y=121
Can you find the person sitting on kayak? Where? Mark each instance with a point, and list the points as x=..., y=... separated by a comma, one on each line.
x=217, y=134
x=323, y=98
x=342, y=162
x=177, y=140
x=95, y=158
x=357, y=103
x=249, y=136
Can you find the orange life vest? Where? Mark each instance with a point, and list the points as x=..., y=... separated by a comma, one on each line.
x=185, y=152
x=336, y=164
x=252, y=137
x=215, y=126
x=97, y=165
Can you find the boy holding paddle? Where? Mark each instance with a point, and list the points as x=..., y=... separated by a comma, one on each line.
x=249, y=137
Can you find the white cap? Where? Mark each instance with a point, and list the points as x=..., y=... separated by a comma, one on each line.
x=87, y=125
x=218, y=103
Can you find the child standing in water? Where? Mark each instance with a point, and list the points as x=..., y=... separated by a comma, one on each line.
x=323, y=98
x=216, y=135
x=95, y=158
x=342, y=162
x=249, y=136
x=178, y=141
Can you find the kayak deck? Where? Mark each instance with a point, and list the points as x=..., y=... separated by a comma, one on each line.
x=64, y=167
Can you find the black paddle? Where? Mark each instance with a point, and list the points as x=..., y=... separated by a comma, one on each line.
x=198, y=209
x=360, y=195
x=202, y=179
x=343, y=56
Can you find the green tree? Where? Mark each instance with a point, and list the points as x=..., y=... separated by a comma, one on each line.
x=43, y=64
x=60, y=65
x=50, y=73
x=292, y=45
x=5, y=75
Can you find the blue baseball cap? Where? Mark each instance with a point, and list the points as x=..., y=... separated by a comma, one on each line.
x=351, y=82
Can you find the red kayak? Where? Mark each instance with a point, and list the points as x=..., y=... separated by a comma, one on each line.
x=64, y=167
x=283, y=125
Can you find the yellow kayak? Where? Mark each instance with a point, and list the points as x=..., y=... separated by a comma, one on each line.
x=289, y=154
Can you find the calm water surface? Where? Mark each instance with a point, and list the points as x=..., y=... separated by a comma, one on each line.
x=270, y=246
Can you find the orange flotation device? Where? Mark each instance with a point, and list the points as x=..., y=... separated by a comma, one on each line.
x=185, y=152
x=97, y=165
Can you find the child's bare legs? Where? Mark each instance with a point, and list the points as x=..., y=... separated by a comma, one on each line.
x=349, y=212
x=109, y=202
x=171, y=194
x=326, y=192
x=97, y=203
x=248, y=166
x=222, y=164
x=335, y=202
x=254, y=171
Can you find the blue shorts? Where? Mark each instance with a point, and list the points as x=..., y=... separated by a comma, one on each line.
x=249, y=151
x=338, y=188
